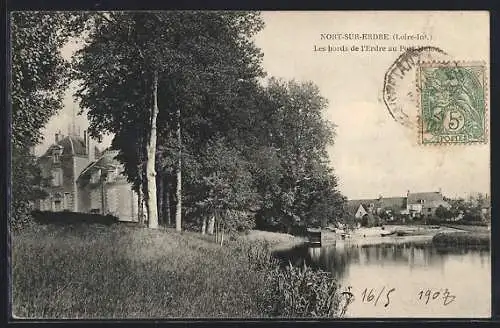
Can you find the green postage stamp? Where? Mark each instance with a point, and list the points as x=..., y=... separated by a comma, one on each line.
x=453, y=102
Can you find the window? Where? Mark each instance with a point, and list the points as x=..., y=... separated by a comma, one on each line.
x=111, y=176
x=56, y=154
x=66, y=200
x=95, y=176
x=57, y=177
x=57, y=205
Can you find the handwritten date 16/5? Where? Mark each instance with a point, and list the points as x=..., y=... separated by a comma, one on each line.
x=373, y=296
x=429, y=295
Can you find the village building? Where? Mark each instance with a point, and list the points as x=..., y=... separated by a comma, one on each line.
x=413, y=205
x=425, y=203
x=82, y=179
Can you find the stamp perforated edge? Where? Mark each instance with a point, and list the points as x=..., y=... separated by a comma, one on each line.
x=452, y=63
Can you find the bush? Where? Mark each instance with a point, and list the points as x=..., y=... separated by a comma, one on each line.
x=67, y=218
x=303, y=292
x=434, y=221
x=295, y=291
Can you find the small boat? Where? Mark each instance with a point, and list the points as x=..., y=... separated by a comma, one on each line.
x=392, y=233
x=314, y=237
x=345, y=235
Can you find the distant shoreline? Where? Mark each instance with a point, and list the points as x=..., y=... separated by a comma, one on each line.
x=416, y=233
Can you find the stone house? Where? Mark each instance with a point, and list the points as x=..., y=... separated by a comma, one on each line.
x=104, y=190
x=425, y=203
x=82, y=179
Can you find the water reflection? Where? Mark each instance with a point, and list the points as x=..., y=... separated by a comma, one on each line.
x=337, y=258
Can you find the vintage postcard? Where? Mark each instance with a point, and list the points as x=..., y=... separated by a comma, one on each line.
x=227, y=164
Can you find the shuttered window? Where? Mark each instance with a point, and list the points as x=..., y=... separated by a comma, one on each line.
x=57, y=177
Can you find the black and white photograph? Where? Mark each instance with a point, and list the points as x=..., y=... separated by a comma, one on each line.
x=216, y=164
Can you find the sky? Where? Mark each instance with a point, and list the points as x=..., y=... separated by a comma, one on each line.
x=373, y=154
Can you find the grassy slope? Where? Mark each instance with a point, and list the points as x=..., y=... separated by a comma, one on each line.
x=122, y=272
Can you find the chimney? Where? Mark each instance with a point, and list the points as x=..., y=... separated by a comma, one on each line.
x=58, y=136
x=90, y=148
x=407, y=193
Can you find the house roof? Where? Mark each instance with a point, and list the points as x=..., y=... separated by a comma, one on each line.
x=427, y=197
x=395, y=202
x=107, y=160
x=353, y=204
x=431, y=199
x=437, y=203
x=71, y=145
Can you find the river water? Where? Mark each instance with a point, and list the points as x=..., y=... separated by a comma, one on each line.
x=405, y=278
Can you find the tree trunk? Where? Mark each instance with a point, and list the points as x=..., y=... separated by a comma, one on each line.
x=216, y=231
x=161, y=213
x=103, y=196
x=178, y=212
x=211, y=225
x=204, y=225
x=140, y=191
x=140, y=212
x=168, y=213
x=151, y=161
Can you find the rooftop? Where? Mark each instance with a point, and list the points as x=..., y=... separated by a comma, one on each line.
x=71, y=145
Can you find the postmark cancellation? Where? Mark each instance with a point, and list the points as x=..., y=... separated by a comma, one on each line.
x=452, y=102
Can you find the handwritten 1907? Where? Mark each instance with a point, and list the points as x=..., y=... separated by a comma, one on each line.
x=430, y=295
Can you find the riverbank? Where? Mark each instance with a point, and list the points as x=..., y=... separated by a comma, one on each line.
x=387, y=234
x=98, y=272
x=449, y=235
x=462, y=238
x=469, y=228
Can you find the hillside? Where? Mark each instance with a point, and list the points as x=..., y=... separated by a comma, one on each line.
x=124, y=272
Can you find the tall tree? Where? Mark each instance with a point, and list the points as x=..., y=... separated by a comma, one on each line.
x=223, y=54
x=225, y=190
x=178, y=193
x=121, y=48
x=298, y=136
x=199, y=58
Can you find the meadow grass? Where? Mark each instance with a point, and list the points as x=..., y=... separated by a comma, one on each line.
x=88, y=271
x=462, y=238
